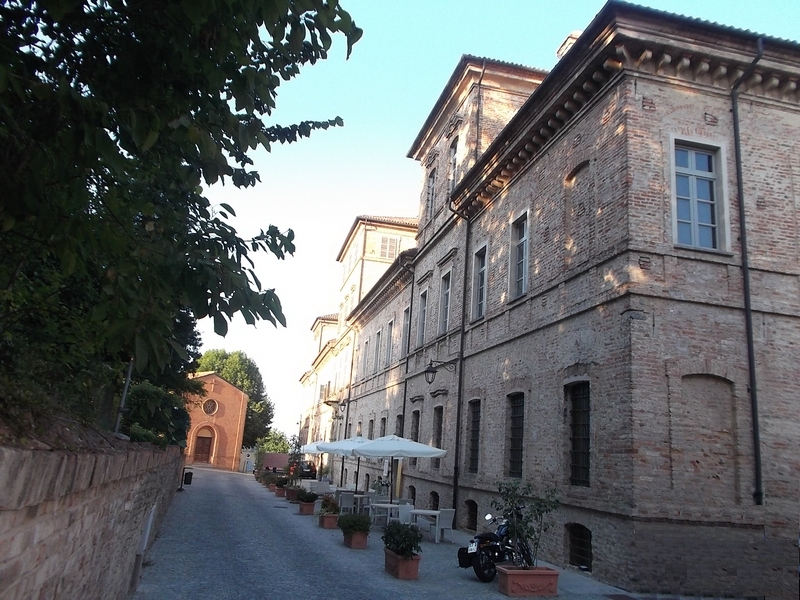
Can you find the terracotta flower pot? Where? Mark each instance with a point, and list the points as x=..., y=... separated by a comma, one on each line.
x=328, y=521
x=539, y=581
x=272, y=487
x=280, y=492
x=291, y=494
x=402, y=568
x=356, y=541
x=306, y=508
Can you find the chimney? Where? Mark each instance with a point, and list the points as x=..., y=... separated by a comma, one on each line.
x=564, y=48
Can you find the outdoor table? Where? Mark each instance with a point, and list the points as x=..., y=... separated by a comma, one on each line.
x=359, y=499
x=382, y=506
x=427, y=513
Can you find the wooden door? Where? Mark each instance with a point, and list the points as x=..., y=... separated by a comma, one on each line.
x=202, y=450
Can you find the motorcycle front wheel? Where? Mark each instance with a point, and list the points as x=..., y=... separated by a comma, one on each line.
x=483, y=566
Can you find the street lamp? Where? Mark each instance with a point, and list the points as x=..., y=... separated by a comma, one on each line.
x=431, y=370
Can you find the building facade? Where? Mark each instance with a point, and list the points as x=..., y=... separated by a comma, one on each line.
x=607, y=279
x=217, y=423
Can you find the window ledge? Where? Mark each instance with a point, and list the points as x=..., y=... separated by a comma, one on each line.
x=704, y=250
x=519, y=299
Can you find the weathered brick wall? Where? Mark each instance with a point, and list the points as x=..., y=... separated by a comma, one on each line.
x=70, y=523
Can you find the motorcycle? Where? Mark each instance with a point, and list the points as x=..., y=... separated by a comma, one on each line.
x=488, y=549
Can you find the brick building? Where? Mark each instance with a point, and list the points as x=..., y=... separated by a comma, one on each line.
x=217, y=423
x=607, y=278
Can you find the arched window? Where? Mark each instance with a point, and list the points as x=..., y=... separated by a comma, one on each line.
x=472, y=515
x=412, y=493
x=434, y=498
x=580, y=546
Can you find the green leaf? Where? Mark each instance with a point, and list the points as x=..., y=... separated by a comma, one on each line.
x=151, y=139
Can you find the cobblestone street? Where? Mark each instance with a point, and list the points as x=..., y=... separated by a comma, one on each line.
x=226, y=537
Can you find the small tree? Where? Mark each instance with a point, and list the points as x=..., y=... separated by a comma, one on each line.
x=526, y=513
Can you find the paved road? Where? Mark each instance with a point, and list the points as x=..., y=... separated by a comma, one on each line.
x=226, y=537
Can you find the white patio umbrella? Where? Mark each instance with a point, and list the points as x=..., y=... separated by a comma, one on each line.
x=344, y=448
x=392, y=446
x=311, y=448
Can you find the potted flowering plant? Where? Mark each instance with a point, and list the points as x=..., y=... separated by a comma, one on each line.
x=526, y=514
x=280, y=486
x=328, y=512
x=401, y=550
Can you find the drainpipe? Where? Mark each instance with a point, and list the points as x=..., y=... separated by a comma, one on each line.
x=758, y=494
x=408, y=345
x=462, y=335
x=478, y=115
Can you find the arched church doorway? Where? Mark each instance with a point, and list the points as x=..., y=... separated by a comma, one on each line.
x=202, y=445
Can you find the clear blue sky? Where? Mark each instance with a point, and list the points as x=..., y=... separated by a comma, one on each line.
x=384, y=93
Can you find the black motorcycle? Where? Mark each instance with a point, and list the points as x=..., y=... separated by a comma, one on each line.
x=487, y=549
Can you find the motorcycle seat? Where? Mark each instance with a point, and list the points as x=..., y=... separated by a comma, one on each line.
x=489, y=536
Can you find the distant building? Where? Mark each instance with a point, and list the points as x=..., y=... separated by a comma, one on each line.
x=217, y=423
x=607, y=280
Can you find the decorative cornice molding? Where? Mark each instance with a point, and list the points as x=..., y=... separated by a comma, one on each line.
x=415, y=399
x=448, y=256
x=702, y=66
x=431, y=158
x=453, y=125
x=439, y=392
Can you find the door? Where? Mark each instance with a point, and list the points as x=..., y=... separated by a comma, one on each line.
x=202, y=450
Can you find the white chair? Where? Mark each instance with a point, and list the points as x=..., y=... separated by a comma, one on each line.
x=403, y=513
x=346, y=502
x=405, y=501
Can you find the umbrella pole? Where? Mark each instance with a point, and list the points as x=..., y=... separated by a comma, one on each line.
x=391, y=479
x=358, y=472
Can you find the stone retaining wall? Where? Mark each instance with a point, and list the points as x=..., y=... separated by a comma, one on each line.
x=70, y=523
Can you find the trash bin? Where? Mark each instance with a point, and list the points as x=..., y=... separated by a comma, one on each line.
x=187, y=478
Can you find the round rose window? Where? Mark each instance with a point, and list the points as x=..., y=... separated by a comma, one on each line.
x=210, y=407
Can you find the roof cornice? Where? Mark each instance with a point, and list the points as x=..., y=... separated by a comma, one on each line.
x=625, y=38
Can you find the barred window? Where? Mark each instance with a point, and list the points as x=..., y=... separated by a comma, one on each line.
x=474, y=434
x=578, y=398
x=517, y=426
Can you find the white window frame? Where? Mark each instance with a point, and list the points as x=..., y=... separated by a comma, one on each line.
x=453, y=159
x=430, y=191
x=479, y=282
x=423, y=316
x=377, y=350
x=518, y=255
x=445, y=291
x=390, y=247
x=406, y=340
x=365, y=358
x=389, y=336
x=718, y=149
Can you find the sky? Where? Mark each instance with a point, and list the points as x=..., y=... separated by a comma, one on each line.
x=384, y=93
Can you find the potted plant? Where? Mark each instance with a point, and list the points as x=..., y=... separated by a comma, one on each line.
x=527, y=520
x=328, y=512
x=355, y=529
x=307, y=500
x=280, y=486
x=291, y=492
x=401, y=547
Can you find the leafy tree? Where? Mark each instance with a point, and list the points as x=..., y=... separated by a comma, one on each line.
x=240, y=370
x=152, y=410
x=112, y=116
x=274, y=441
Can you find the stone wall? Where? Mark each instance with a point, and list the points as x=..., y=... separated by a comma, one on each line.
x=71, y=523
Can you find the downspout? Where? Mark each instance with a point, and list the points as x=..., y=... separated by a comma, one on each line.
x=478, y=115
x=462, y=335
x=758, y=494
x=399, y=478
x=408, y=345
x=347, y=400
